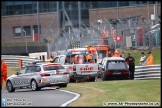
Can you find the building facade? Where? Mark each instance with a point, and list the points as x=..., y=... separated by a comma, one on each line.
x=19, y=18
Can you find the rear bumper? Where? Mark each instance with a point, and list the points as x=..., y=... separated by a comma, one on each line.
x=80, y=77
x=46, y=82
x=117, y=76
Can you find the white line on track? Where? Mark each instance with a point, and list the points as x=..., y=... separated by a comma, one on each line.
x=75, y=98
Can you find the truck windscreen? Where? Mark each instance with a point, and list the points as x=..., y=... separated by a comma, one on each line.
x=101, y=54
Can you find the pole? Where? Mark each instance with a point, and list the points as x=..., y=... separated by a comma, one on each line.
x=111, y=37
x=115, y=45
x=63, y=8
x=136, y=36
x=117, y=9
x=156, y=12
x=25, y=41
x=148, y=10
x=123, y=38
x=38, y=23
x=79, y=19
x=58, y=17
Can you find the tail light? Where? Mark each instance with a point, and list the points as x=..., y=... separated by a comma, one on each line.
x=66, y=72
x=44, y=74
x=108, y=73
x=125, y=73
x=57, y=72
x=74, y=68
x=98, y=67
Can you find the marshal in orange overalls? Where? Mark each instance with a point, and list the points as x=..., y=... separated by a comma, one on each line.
x=3, y=72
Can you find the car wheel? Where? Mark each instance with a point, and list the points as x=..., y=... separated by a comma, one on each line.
x=34, y=86
x=9, y=87
x=63, y=85
x=103, y=77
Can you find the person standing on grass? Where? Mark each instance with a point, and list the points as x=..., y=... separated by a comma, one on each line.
x=3, y=72
x=131, y=62
x=143, y=59
x=150, y=59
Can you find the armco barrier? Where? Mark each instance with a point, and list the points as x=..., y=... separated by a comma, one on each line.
x=147, y=72
x=12, y=60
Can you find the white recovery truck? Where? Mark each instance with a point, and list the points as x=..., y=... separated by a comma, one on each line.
x=80, y=70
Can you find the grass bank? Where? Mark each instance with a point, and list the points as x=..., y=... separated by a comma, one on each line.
x=95, y=93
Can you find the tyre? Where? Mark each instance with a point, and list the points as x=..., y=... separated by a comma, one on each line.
x=103, y=77
x=63, y=85
x=34, y=86
x=98, y=75
x=9, y=87
x=92, y=79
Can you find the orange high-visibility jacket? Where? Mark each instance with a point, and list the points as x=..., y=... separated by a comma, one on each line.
x=150, y=60
x=115, y=55
x=4, y=68
x=89, y=57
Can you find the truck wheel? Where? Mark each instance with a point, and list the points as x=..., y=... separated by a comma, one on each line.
x=103, y=77
x=9, y=87
x=92, y=79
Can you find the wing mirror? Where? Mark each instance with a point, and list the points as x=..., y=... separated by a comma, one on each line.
x=103, y=69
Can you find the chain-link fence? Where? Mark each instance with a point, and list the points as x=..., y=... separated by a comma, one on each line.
x=143, y=35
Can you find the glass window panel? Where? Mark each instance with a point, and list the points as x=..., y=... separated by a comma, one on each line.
x=34, y=7
x=10, y=10
x=105, y=4
x=93, y=4
x=9, y=3
x=84, y=14
x=16, y=31
x=27, y=29
x=66, y=5
x=52, y=6
x=27, y=8
x=18, y=9
x=99, y=5
x=131, y=3
x=45, y=7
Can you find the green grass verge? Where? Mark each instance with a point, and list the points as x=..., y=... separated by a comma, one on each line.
x=95, y=93
x=137, y=55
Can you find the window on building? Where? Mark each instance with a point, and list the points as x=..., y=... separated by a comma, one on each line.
x=35, y=28
x=27, y=7
x=34, y=7
x=9, y=6
x=52, y=6
x=17, y=31
x=45, y=6
x=18, y=8
x=27, y=30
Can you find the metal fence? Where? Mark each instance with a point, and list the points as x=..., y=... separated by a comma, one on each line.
x=147, y=72
x=101, y=32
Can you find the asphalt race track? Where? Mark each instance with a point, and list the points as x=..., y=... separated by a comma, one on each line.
x=44, y=97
